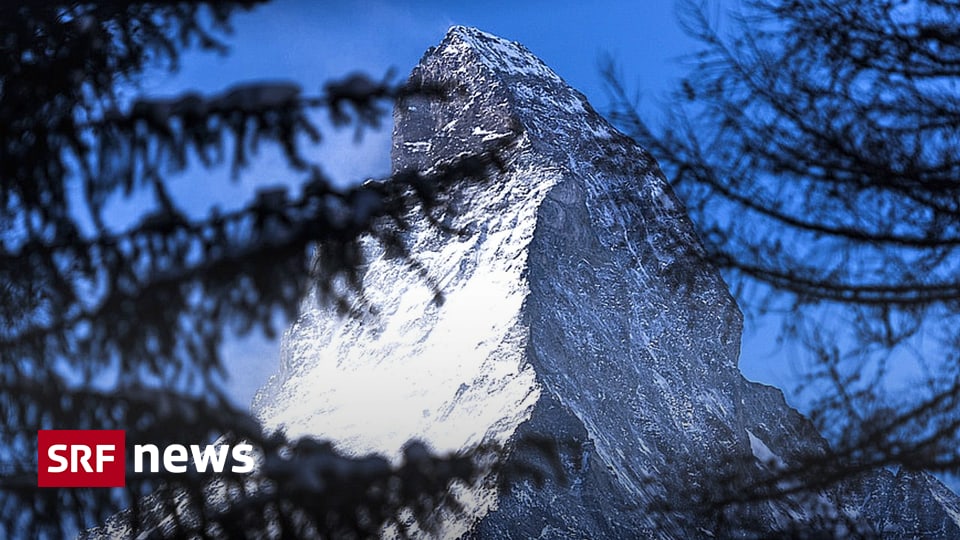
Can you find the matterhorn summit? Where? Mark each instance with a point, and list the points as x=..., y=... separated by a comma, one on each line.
x=579, y=307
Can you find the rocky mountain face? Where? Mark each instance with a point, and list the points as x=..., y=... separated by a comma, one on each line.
x=577, y=306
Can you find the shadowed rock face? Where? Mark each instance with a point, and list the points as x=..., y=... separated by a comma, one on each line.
x=578, y=306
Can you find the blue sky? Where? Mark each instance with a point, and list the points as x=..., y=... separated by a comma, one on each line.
x=311, y=42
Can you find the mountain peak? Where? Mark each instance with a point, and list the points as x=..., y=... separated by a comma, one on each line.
x=503, y=90
x=498, y=54
x=579, y=307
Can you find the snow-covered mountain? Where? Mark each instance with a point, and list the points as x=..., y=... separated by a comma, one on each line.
x=577, y=306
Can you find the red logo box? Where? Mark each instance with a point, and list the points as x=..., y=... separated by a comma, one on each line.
x=81, y=458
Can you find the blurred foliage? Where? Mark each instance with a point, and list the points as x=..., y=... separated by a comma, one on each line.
x=103, y=328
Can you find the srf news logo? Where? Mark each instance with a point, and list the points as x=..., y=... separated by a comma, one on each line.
x=97, y=458
x=81, y=458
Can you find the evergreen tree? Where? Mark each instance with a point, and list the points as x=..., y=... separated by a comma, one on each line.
x=107, y=328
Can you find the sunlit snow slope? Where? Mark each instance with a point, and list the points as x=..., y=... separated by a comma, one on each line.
x=577, y=306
